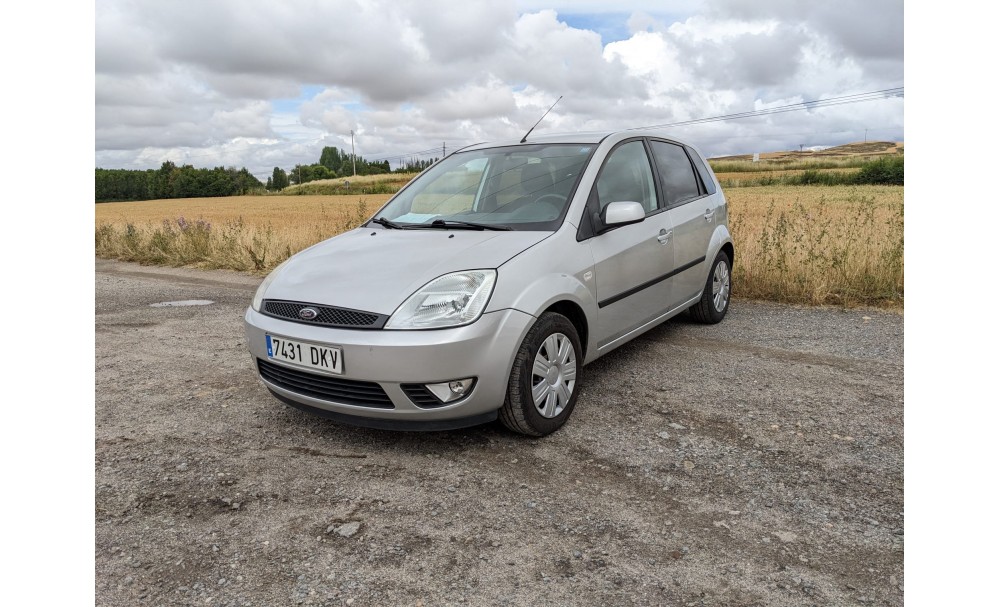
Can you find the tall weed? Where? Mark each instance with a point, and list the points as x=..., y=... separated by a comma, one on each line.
x=845, y=249
x=235, y=245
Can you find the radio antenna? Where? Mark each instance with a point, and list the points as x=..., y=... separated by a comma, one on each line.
x=525, y=138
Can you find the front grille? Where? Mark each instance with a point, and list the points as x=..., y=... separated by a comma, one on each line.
x=421, y=396
x=324, y=387
x=328, y=315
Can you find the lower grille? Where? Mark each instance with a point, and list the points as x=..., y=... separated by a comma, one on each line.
x=324, y=387
x=421, y=396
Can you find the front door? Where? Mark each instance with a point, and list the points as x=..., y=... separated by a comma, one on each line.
x=630, y=261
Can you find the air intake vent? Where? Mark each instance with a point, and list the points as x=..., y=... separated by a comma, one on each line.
x=325, y=387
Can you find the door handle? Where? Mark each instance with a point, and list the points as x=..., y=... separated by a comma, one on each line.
x=709, y=214
x=664, y=236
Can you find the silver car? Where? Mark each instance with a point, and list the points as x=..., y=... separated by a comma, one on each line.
x=482, y=288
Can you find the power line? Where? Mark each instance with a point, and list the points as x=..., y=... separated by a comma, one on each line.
x=793, y=107
x=405, y=155
x=781, y=109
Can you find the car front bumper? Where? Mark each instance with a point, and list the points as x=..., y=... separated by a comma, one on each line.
x=484, y=350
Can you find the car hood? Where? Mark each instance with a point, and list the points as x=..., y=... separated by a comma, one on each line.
x=375, y=269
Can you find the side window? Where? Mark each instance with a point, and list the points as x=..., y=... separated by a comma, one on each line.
x=703, y=170
x=627, y=175
x=677, y=176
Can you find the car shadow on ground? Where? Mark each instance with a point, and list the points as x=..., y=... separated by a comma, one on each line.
x=458, y=441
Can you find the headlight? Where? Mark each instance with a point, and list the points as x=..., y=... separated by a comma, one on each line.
x=258, y=297
x=448, y=301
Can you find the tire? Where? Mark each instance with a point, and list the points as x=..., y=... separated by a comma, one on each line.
x=520, y=412
x=720, y=278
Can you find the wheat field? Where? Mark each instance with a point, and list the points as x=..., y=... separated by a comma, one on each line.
x=246, y=233
x=840, y=245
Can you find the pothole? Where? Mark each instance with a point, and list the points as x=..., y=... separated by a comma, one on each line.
x=184, y=302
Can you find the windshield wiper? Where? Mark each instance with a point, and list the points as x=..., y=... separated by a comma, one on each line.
x=466, y=225
x=392, y=225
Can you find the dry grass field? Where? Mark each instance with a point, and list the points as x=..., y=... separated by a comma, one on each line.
x=839, y=245
x=281, y=212
x=247, y=233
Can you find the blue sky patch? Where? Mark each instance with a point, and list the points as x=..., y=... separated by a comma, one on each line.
x=306, y=92
x=611, y=26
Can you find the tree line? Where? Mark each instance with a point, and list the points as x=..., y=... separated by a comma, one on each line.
x=172, y=181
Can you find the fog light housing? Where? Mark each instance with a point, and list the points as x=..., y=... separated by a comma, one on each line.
x=452, y=390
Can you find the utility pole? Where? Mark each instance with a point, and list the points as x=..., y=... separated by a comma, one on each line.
x=443, y=152
x=354, y=164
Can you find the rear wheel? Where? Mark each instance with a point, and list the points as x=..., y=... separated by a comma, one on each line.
x=541, y=392
x=714, y=302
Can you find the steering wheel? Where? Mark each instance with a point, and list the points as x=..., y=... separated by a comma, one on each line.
x=543, y=208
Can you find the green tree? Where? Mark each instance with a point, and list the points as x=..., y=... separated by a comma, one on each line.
x=279, y=179
x=331, y=158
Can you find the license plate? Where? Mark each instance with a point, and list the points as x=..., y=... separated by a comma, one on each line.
x=328, y=359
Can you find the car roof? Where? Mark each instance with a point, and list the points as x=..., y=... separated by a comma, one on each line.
x=590, y=137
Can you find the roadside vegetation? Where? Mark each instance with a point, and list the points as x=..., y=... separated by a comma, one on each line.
x=839, y=245
x=245, y=233
x=367, y=184
x=880, y=171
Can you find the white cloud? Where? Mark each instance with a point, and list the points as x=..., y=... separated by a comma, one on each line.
x=592, y=7
x=211, y=82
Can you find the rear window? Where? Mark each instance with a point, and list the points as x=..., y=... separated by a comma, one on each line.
x=703, y=169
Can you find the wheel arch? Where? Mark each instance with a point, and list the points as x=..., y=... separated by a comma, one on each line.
x=730, y=252
x=578, y=317
x=721, y=240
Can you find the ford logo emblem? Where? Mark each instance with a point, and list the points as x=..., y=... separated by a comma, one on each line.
x=308, y=313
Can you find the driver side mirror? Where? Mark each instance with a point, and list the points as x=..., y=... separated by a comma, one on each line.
x=621, y=213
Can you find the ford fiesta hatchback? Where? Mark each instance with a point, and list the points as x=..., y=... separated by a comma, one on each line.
x=484, y=287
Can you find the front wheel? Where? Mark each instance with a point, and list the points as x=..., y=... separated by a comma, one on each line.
x=714, y=302
x=541, y=392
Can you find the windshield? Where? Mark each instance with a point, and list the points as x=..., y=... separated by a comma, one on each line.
x=525, y=187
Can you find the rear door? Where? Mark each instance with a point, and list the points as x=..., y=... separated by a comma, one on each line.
x=692, y=213
x=630, y=261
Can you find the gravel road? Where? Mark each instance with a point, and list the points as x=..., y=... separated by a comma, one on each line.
x=755, y=462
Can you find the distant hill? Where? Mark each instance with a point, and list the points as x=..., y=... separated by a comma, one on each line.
x=861, y=148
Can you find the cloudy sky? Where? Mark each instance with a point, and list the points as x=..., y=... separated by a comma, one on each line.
x=264, y=84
